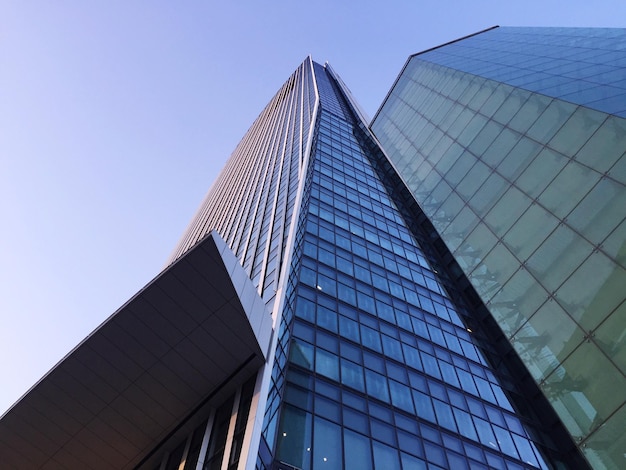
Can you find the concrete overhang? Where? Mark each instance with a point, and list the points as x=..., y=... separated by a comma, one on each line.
x=180, y=345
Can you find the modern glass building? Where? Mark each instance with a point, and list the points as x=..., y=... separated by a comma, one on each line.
x=513, y=143
x=376, y=366
x=317, y=314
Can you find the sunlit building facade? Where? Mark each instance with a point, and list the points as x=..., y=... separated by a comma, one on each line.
x=317, y=315
x=512, y=141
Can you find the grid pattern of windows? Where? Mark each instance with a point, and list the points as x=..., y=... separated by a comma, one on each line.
x=528, y=193
x=251, y=204
x=584, y=66
x=374, y=367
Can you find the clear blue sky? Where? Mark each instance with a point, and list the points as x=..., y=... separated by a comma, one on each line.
x=116, y=116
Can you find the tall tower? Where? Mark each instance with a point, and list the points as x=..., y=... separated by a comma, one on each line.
x=376, y=365
x=513, y=143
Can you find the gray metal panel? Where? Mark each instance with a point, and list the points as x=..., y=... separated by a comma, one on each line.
x=186, y=340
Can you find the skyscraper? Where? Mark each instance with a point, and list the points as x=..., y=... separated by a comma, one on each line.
x=512, y=141
x=311, y=317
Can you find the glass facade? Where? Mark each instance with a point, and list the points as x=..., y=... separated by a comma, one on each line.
x=251, y=203
x=585, y=66
x=519, y=164
x=375, y=365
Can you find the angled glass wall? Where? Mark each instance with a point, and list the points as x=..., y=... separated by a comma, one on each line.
x=528, y=192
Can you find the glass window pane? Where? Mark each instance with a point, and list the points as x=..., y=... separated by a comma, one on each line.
x=423, y=405
x=435, y=454
x=326, y=318
x=614, y=245
x=530, y=231
x=558, y=257
x=357, y=451
x=547, y=339
x=444, y=416
x=327, y=450
x=577, y=130
x=600, y=211
x=611, y=337
x=460, y=168
x=568, y=188
x=578, y=389
x=514, y=162
x=607, y=444
x=475, y=247
x=352, y=375
x=377, y=385
x=542, y=170
x=474, y=126
x=594, y=290
x=488, y=194
x=458, y=229
x=385, y=456
x=529, y=112
x=518, y=299
x=466, y=425
x=551, y=120
x=496, y=99
x=606, y=146
x=508, y=210
x=497, y=268
x=511, y=105
x=485, y=433
x=327, y=364
x=448, y=159
x=294, y=437
x=485, y=138
x=301, y=353
x=525, y=450
x=401, y=396
x=473, y=180
x=500, y=147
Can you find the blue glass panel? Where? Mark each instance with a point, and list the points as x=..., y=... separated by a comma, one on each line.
x=377, y=385
x=401, y=396
x=385, y=456
x=357, y=450
x=327, y=364
x=327, y=449
x=352, y=375
x=423, y=405
x=412, y=463
x=444, y=414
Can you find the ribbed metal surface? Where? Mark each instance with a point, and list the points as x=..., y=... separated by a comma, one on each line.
x=251, y=203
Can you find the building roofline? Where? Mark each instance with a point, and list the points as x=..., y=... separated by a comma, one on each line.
x=419, y=53
x=453, y=41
